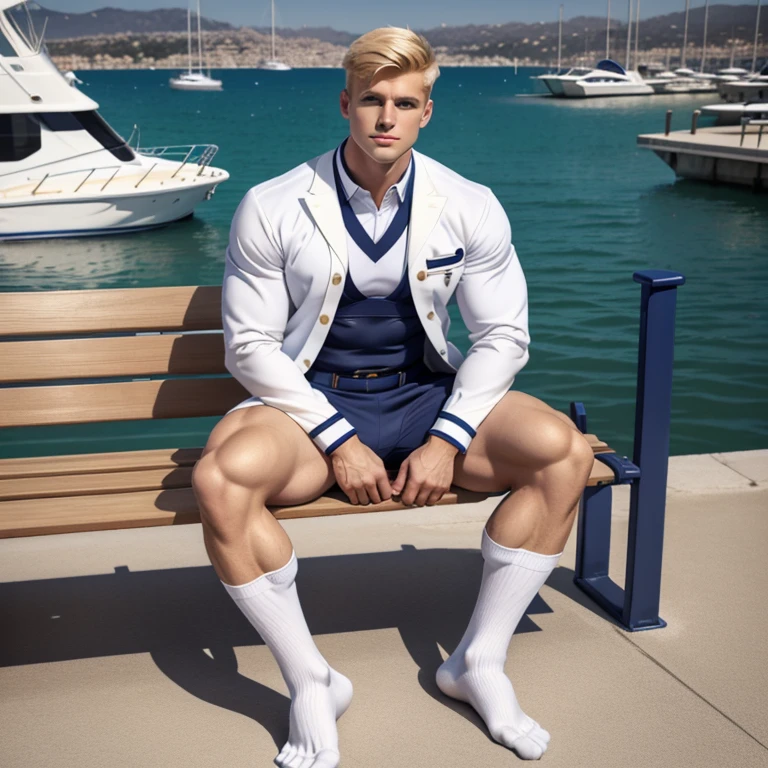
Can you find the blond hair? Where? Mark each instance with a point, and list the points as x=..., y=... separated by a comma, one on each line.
x=395, y=47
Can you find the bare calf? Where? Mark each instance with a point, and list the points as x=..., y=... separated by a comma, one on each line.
x=254, y=457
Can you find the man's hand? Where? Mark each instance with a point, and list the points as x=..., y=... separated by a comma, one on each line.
x=360, y=472
x=426, y=474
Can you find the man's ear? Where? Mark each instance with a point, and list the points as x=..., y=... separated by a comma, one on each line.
x=426, y=114
x=344, y=104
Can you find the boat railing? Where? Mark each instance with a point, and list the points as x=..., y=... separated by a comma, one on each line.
x=88, y=173
x=194, y=154
x=197, y=154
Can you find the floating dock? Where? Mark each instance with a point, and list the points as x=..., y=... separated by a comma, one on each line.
x=720, y=155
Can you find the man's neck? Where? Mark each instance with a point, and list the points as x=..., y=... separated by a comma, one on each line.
x=374, y=177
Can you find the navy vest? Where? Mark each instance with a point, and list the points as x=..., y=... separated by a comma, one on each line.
x=372, y=334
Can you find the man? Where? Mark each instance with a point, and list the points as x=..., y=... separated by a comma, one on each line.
x=335, y=313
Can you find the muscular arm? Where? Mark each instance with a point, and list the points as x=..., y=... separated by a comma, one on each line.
x=255, y=311
x=493, y=300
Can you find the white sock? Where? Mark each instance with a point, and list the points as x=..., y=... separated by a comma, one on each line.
x=474, y=673
x=319, y=694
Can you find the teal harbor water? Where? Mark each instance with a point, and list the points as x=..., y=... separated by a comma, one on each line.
x=587, y=208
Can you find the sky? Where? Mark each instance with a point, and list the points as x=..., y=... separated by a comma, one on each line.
x=360, y=15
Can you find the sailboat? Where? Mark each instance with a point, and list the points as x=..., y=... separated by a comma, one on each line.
x=273, y=63
x=194, y=80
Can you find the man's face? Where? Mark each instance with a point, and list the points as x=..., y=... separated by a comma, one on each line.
x=385, y=115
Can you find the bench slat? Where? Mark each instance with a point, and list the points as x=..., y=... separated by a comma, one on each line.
x=142, y=479
x=35, y=517
x=100, y=483
x=84, y=403
x=48, y=467
x=57, y=313
x=142, y=508
x=198, y=353
x=91, y=463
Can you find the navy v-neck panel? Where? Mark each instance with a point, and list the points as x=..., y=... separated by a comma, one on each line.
x=399, y=224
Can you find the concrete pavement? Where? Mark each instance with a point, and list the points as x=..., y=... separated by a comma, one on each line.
x=120, y=649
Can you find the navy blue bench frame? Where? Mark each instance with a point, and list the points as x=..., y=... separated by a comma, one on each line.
x=636, y=607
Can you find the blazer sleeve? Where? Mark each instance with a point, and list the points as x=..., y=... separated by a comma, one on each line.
x=493, y=300
x=255, y=311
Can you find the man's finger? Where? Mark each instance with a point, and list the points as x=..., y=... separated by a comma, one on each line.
x=423, y=496
x=412, y=488
x=373, y=491
x=362, y=496
x=401, y=479
x=434, y=497
x=351, y=495
x=385, y=490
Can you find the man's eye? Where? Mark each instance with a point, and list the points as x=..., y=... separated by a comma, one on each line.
x=406, y=104
x=369, y=98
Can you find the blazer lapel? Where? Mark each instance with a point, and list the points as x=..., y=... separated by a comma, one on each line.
x=425, y=212
x=323, y=205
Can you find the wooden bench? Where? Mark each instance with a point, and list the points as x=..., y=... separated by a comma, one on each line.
x=105, y=356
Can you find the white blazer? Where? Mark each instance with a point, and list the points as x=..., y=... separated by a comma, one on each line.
x=285, y=269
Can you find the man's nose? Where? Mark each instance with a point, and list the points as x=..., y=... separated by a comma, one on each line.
x=387, y=117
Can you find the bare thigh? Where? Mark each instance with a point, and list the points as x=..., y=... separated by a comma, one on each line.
x=520, y=436
x=261, y=448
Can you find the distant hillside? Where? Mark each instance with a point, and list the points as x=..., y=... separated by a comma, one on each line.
x=114, y=21
x=725, y=22
x=112, y=37
x=514, y=38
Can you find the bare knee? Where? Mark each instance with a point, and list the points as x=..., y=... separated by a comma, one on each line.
x=570, y=457
x=233, y=481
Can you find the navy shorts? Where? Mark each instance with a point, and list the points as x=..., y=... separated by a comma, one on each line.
x=395, y=422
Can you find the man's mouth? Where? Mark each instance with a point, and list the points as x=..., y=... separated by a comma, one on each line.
x=384, y=139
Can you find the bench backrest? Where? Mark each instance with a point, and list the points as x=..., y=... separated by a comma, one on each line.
x=70, y=357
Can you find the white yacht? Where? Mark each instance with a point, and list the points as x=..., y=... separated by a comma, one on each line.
x=63, y=171
x=194, y=79
x=273, y=63
x=685, y=80
x=607, y=79
x=554, y=82
x=750, y=88
x=731, y=114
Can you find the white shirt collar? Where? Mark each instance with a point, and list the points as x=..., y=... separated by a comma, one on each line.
x=350, y=188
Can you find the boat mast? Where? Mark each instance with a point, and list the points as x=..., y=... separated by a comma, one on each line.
x=189, y=37
x=608, y=33
x=637, y=33
x=199, y=39
x=629, y=33
x=273, y=30
x=685, y=34
x=704, y=44
x=754, y=47
x=733, y=46
x=559, y=39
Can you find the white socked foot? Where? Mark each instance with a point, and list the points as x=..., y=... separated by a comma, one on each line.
x=313, y=738
x=474, y=673
x=319, y=694
x=490, y=693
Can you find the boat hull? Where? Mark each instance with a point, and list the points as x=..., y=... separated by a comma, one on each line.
x=180, y=85
x=582, y=90
x=116, y=214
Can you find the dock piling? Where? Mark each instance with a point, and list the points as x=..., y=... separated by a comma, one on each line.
x=694, y=121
